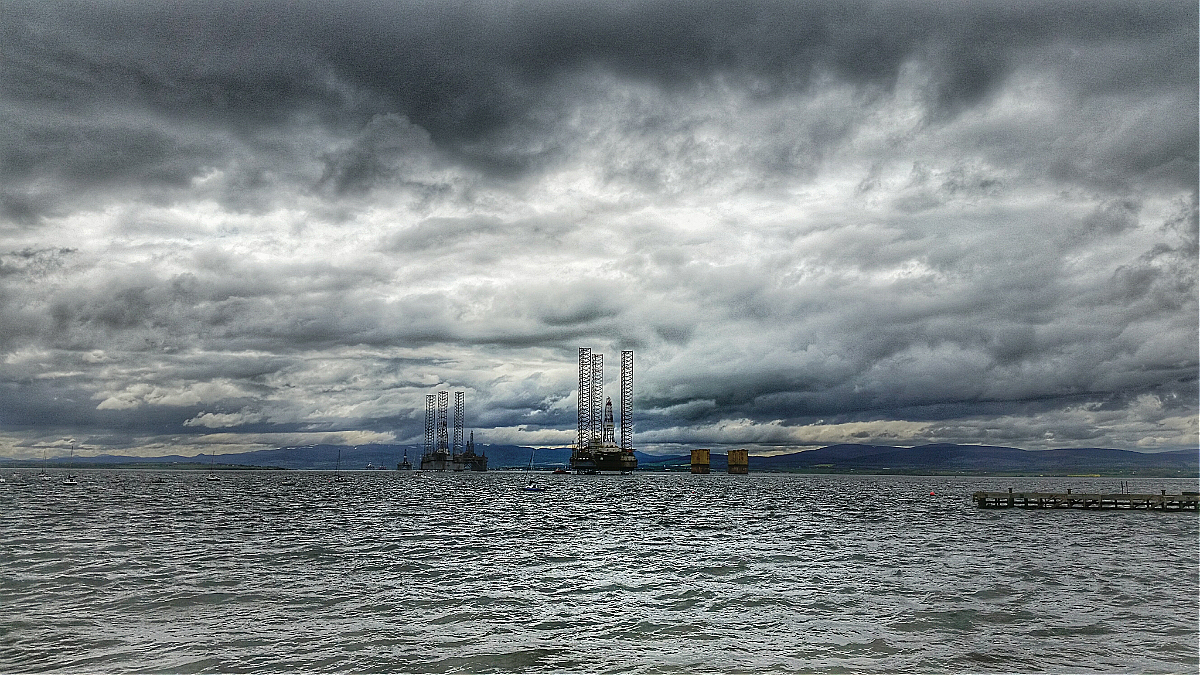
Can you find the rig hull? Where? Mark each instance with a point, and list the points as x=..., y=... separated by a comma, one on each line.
x=603, y=459
x=436, y=461
x=444, y=461
x=469, y=462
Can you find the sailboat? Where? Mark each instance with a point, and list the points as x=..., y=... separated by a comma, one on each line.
x=42, y=474
x=530, y=484
x=70, y=479
x=211, y=465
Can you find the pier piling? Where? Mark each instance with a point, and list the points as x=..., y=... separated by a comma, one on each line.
x=739, y=461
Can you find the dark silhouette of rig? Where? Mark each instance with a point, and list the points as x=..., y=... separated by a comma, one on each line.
x=595, y=446
x=442, y=454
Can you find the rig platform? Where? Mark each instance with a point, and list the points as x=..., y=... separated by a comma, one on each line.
x=596, y=450
x=597, y=461
x=440, y=454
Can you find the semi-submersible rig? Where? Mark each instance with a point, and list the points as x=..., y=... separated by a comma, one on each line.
x=595, y=446
x=441, y=454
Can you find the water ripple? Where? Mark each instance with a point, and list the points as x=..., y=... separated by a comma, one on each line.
x=381, y=572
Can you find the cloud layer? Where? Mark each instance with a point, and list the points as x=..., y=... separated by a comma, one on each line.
x=224, y=225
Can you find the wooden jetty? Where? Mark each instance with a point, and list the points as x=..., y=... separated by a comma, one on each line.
x=1082, y=500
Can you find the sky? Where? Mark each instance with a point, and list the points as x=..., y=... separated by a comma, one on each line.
x=228, y=226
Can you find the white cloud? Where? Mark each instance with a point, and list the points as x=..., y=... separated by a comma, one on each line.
x=223, y=420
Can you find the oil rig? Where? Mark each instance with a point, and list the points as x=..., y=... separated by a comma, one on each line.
x=440, y=453
x=595, y=448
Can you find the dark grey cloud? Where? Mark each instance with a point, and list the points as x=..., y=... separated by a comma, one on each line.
x=468, y=73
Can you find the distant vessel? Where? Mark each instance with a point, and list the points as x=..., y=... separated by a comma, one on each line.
x=405, y=465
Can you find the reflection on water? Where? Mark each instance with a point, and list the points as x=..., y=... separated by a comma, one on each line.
x=420, y=572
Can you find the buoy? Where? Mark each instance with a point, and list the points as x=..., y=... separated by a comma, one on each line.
x=931, y=493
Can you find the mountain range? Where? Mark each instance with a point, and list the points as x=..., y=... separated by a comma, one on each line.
x=844, y=458
x=967, y=459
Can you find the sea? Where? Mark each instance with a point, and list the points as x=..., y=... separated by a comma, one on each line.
x=138, y=571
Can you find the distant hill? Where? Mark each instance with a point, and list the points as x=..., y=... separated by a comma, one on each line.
x=943, y=458
x=315, y=457
x=845, y=458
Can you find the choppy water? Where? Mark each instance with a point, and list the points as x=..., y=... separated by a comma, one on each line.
x=290, y=571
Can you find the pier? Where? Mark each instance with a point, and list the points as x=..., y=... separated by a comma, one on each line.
x=1081, y=500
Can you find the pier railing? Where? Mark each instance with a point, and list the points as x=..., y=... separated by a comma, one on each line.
x=1081, y=500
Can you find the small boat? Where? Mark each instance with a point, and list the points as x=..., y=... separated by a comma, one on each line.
x=211, y=464
x=560, y=470
x=531, y=485
x=70, y=479
x=337, y=473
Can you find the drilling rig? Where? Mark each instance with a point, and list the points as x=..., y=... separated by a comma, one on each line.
x=439, y=454
x=595, y=448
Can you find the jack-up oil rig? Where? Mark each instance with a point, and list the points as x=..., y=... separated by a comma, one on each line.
x=440, y=454
x=595, y=446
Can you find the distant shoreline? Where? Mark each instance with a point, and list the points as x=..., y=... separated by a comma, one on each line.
x=171, y=466
x=844, y=459
x=155, y=466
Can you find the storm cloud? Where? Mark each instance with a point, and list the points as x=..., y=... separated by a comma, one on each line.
x=227, y=226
